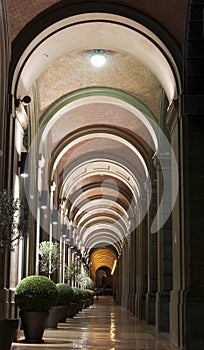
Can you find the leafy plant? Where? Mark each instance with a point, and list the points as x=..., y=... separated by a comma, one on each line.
x=78, y=294
x=88, y=294
x=85, y=281
x=49, y=256
x=72, y=271
x=65, y=292
x=13, y=221
x=36, y=293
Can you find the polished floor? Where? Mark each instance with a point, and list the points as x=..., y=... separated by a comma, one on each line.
x=104, y=326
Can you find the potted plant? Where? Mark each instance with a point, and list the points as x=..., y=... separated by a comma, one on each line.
x=65, y=298
x=78, y=298
x=49, y=257
x=35, y=295
x=13, y=225
x=88, y=296
x=54, y=316
x=84, y=280
x=49, y=262
x=71, y=272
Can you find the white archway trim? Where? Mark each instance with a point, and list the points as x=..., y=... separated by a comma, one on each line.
x=100, y=167
x=102, y=136
x=101, y=240
x=73, y=33
x=101, y=203
x=99, y=212
x=147, y=121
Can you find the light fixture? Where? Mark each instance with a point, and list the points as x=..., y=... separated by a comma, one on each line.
x=64, y=230
x=71, y=230
x=25, y=101
x=78, y=253
x=114, y=266
x=55, y=217
x=23, y=164
x=71, y=243
x=75, y=249
x=98, y=58
x=43, y=199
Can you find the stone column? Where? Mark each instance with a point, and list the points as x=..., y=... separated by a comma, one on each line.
x=141, y=268
x=178, y=251
x=125, y=277
x=4, y=59
x=4, y=141
x=119, y=281
x=133, y=270
x=192, y=128
x=152, y=259
x=130, y=271
x=193, y=226
x=164, y=246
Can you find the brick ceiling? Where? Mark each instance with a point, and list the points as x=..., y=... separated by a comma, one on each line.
x=122, y=71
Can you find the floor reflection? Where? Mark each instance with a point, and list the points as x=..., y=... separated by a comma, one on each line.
x=104, y=326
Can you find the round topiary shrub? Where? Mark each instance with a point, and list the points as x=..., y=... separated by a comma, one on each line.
x=88, y=293
x=36, y=293
x=65, y=293
x=78, y=294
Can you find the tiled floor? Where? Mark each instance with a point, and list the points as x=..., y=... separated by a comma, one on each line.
x=104, y=326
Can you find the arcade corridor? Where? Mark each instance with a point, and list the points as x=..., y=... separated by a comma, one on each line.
x=104, y=326
x=102, y=147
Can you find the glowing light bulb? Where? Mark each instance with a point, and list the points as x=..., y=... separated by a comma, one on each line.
x=98, y=58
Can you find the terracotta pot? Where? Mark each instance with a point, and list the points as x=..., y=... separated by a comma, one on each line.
x=8, y=328
x=33, y=323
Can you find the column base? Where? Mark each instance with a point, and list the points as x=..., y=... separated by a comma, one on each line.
x=162, y=311
x=150, y=308
x=193, y=321
x=132, y=298
x=176, y=317
x=4, y=303
x=130, y=302
x=140, y=306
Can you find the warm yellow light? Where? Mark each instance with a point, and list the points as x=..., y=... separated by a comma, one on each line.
x=114, y=266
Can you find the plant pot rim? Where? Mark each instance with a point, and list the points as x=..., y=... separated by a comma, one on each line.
x=33, y=311
x=9, y=319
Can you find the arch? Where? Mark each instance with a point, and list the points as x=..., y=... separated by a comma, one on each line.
x=119, y=31
x=116, y=25
x=102, y=257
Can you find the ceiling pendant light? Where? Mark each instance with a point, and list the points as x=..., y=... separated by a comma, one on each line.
x=98, y=58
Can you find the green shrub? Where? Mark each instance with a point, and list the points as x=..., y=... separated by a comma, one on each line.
x=65, y=293
x=85, y=294
x=36, y=293
x=88, y=293
x=78, y=294
x=13, y=224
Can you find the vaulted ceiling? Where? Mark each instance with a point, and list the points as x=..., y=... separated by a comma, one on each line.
x=97, y=122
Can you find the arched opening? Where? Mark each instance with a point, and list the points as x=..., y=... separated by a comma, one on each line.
x=101, y=146
x=104, y=281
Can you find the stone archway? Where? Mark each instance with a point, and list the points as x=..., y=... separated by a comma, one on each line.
x=170, y=81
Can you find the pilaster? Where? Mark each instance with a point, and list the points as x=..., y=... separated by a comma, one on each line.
x=141, y=270
x=174, y=123
x=164, y=246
